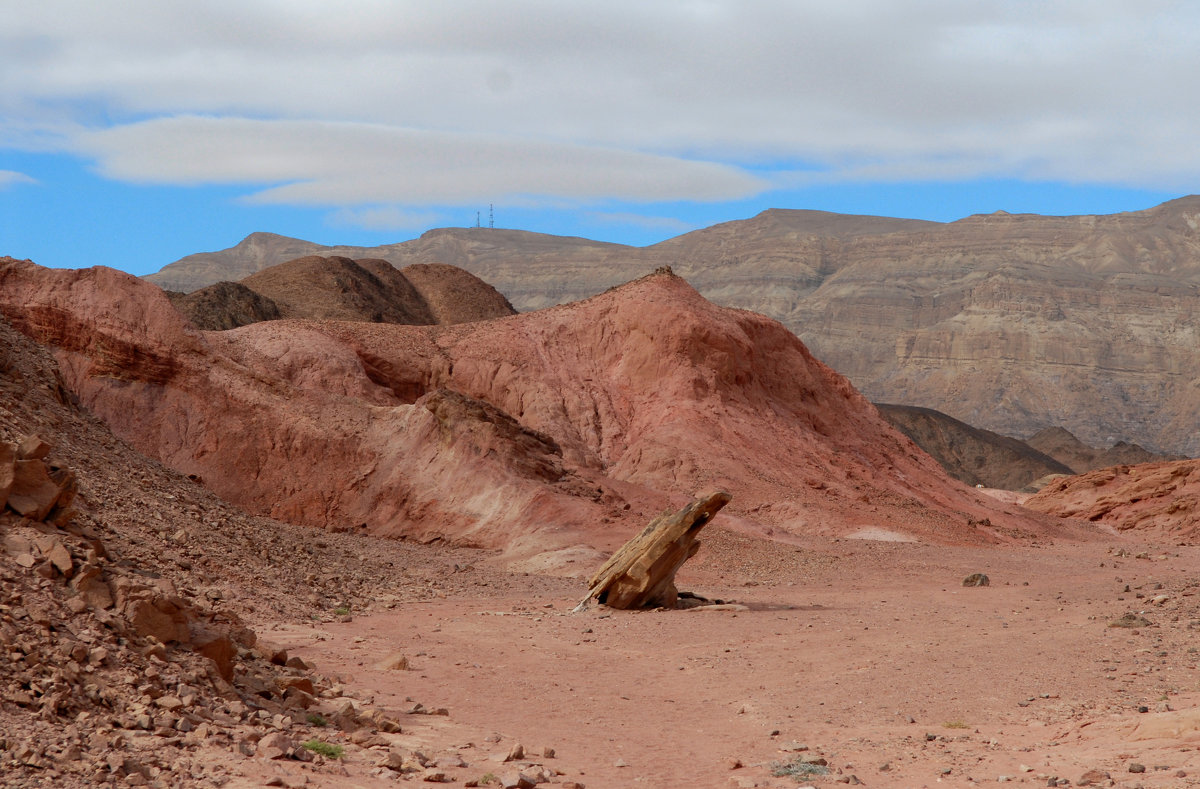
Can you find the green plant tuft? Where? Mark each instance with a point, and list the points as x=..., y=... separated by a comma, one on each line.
x=316, y=720
x=955, y=725
x=326, y=749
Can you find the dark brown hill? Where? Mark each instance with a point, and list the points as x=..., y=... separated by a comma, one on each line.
x=224, y=305
x=453, y=295
x=1009, y=322
x=971, y=455
x=337, y=288
x=1061, y=445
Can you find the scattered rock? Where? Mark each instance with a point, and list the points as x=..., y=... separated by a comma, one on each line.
x=976, y=579
x=276, y=746
x=1131, y=620
x=394, y=662
x=1092, y=778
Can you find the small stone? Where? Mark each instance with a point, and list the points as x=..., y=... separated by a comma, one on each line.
x=516, y=753
x=733, y=763
x=60, y=557
x=976, y=579
x=275, y=746
x=169, y=703
x=394, y=662
x=516, y=781
x=1130, y=620
x=547, y=752
x=392, y=760
x=1134, y=767
x=435, y=776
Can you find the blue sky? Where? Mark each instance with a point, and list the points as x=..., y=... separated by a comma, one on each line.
x=134, y=134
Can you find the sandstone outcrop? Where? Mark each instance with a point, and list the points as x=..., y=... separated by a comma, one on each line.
x=1157, y=498
x=570, y=424
x=1011, y=323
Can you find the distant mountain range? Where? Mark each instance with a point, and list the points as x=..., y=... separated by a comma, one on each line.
x=1013, y=323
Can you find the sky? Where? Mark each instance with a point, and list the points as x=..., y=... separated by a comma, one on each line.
x=134, y=133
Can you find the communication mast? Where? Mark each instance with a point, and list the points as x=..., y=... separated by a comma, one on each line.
x=491, y=216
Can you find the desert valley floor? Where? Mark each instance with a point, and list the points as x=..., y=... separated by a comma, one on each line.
x=869, y=655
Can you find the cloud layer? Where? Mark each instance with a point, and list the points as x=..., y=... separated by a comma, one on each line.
x=413, y=103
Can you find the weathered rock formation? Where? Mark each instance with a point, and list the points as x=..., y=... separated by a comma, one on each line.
x=1159, y=498
x=971, y=455
x=524, y=431
x=1011, y=323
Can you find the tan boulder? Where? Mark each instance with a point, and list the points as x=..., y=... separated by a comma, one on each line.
x=157, y=617
x=32, y=447
x=276, y=746
x=33, y=492
x=60, y=557
x=92, y=588
x=214, y=643
x=642, y=573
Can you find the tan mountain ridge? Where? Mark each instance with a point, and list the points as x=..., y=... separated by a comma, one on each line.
x=1011, y=323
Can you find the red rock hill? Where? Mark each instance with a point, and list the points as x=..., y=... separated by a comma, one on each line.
x=543, y=429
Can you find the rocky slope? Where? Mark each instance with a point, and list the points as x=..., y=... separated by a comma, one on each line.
x=536, y=431
x=337, y=288
x=1012, y=323
x=125, y=656
x=1061, y=445
x=971, y=455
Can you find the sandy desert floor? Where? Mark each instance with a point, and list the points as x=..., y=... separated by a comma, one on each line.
x=869, y=655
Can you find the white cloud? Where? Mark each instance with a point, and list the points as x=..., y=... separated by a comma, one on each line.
x=9, y=178
x=384, y=218
x=327, y=163
x=596, y=94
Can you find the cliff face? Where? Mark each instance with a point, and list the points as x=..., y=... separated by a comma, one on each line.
x=1011, y=323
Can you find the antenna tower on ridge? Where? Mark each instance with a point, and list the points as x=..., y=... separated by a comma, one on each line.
x=491, y=216
x=477, y=219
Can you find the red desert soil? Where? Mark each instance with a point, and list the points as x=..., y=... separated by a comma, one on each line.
x=869, y=655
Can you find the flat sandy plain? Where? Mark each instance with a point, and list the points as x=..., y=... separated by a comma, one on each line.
x=869, y=654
